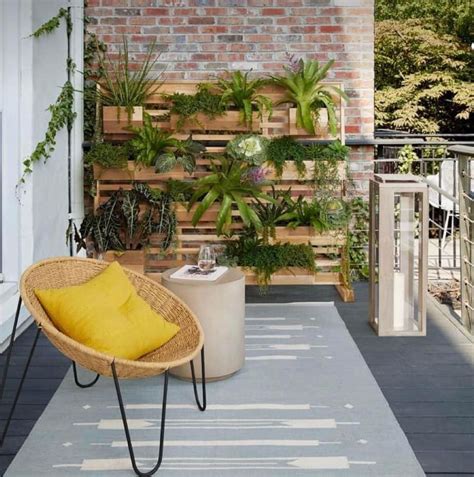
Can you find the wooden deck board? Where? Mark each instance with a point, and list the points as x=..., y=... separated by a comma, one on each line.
x=428, y=381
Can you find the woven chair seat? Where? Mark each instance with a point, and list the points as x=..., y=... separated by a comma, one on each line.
x=65, y=271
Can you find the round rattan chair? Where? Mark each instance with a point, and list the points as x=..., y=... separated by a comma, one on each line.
x=181, y=349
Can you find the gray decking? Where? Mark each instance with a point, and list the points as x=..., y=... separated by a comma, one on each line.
x=428, y=382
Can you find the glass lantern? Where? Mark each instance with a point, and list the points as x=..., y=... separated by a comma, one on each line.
x=398, y=255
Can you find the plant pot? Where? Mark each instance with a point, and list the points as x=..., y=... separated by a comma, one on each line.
x=132, y=259
x=229, y=121
x=321, y=126
x=117, y=120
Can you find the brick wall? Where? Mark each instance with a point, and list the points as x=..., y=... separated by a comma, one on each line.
x=202, y=37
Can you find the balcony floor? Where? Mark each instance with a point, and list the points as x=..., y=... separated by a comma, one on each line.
x=428, y=382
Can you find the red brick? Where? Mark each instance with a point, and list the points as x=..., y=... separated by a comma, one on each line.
x=330, y=29
x=201, y=21
x=142, y=21
x=273, y=11
x=160, y=12
x=213, y=29
x=203, y=57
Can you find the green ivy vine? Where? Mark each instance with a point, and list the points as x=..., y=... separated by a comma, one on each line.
x=62, y=110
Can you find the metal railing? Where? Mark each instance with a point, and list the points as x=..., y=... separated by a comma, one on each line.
x=465, y=158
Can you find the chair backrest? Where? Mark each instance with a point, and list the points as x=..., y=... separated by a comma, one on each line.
x=55, y=273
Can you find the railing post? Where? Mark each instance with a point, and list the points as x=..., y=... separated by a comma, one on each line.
x=466, y=225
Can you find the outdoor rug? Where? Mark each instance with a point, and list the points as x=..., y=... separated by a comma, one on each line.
x=305, y=404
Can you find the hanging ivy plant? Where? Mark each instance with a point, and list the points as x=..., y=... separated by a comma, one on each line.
x=62, y=110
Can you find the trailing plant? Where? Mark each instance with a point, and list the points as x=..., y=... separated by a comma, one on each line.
x=286, y=148
x=243, y=93
x=304, y=88
x=124, y=86
x=358, y=239
x=62, y=110
x=265, y=260
x=249, y=148
x=188, y=106
x=274, y=212
x=326, y=161
x=227, y=185
x=108, y=155
x=127, y=220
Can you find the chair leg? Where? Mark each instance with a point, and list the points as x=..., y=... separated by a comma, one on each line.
x=202, y=407
x=127, y=432
x=76, y=379
x=7, y=365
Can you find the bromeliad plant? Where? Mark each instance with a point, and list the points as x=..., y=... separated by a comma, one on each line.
x=239, y=90
x=228, y=184
x=304, y=88
x=274, y=213
x=156, y=148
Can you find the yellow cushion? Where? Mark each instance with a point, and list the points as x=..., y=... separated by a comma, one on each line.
x=108, y=315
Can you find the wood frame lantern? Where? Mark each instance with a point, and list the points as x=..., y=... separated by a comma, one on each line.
x=398, y=255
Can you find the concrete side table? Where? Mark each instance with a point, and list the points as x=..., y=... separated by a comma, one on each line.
x=220, y=308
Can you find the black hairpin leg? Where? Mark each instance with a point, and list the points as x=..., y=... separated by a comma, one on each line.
x=202, y=407
x=76, y=379
x=127, y=432
x=7, y=365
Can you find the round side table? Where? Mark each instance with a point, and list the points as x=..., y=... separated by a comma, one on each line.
x=220, y=308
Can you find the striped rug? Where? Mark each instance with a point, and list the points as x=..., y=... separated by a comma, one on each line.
x=305, y=404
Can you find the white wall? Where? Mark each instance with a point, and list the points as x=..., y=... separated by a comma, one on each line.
x=32, y=71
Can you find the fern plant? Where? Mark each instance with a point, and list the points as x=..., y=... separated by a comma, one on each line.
x=304, y=88
x=242, y=92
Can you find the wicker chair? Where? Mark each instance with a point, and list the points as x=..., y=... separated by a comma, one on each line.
x=181, y=349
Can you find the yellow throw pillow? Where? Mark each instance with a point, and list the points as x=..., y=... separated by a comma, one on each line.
x=107, y=314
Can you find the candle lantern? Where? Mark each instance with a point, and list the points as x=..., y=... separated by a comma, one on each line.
x=398, y=255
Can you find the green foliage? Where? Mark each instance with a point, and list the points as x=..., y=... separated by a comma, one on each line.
x=154, y=147
x=53, y=23
x=226, y=185
x=188, y=106
x=358, y=239
x=248, y=148
x=286, y=148
x=108, y=155
x=304, y=88
x=150, y=142
x=427, y=103
x=273, y=213
x=423, y=77
x=127, y=220
x=237, y=89
x=265, y=260
x=183, y=154
x=455, y=17
x=306, y=213
x=92, y=49
x=122, y=85
x=62, y=111
x=407, y=156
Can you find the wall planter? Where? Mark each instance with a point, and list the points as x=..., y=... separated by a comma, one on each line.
x=131, y=259
x=229, y=121
x=116, y=119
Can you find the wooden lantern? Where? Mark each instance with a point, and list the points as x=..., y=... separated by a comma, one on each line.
x=398, y=255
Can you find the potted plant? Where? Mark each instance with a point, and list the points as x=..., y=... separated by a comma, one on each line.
x=248, y=148
x=230, y=183
x=305, y=91
x=237, y=90
x=121, y=228
x=104, y=156
x=156, y=148
x=123, y=91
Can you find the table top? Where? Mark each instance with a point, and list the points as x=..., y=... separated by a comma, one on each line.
x=231, y=275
